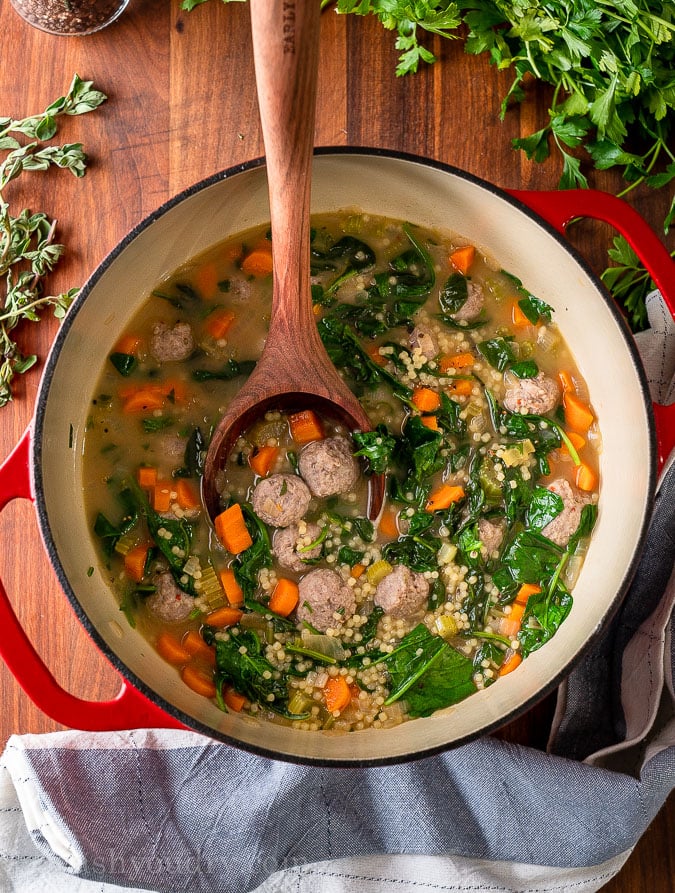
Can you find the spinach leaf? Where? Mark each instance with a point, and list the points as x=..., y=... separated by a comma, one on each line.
x=543, y=616
x=545, y=505
x=498, y=352
x=531, y=557
x=535, y=309
x=369, y=628
x=589, y=515
x=377, y=447
x=231, y=369
x=193, y=457
x=525, y=369
x=248, y=563
x=448, y=416
x=125, y=363
x=420, y=448
x=454, y=293
x=477, y=603
x=413, y=270
x=418, y=552
x=153, y=424
x=110, y=533
x=429, y=672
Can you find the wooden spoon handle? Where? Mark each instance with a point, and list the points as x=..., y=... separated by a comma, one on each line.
x=286, y=53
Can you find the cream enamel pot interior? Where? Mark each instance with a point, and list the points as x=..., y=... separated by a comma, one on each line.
x=392, y=185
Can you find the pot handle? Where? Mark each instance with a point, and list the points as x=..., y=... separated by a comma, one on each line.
x=129, y=709
x=561, y=207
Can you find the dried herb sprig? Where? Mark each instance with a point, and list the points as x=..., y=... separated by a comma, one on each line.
x=27, y=250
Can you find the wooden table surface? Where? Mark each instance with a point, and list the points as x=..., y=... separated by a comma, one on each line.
x=182, y=106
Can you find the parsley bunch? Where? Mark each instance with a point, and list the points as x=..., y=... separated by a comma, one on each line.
x=27, y=249
x=611, y=64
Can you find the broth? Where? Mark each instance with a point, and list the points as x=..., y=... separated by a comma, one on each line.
x=296, y=607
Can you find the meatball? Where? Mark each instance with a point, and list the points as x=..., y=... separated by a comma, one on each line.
x=286, y=541
x=169, y=602
x=402, y=592
x=423, y=341
x=281, y=499
x=329, y=466
x=561, y=528
x=170, y=345
x=490, y=534
x=325, y=600
x=473, y=304
x=534, y=396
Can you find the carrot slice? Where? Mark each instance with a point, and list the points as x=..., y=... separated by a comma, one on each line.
x=198, y=682
x=357, y=571
x=284, y=597
x=511, y=623
x=231, y=529
x=336, y=694
x=460, y=387
x=375, y=355
x=305, y=426
x=430, y=421
x=197, y=647
x=171, y=649
x=234, y=700
x=224, y=617
x=387, y=525
x=161, y=496
x=456, y=361
x=135, y=561
x=510, y=663
x=219, y=323
x=144, y=400
x=577, y=441
x=518, y=318
x=146, y=476
x=586, y=478
x=462, y=258
x=566, y=382
x=578, y=414
x=127, y=344
x=525, y=591
x=258, y=262
x=206, y=280
x=187, y=495
x=233, y=590
x=262, y=459
x=444, y=496
x=426, y=399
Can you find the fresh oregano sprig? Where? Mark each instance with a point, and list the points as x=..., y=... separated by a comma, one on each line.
x=27, y=250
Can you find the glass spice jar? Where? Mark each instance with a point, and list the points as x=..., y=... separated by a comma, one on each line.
x=74, y=17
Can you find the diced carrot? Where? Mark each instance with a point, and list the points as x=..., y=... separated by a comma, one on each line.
x=444, y=496
x=430, y=421
x=305, y=426
x=224, y=617
x=510, y=624
x=197, y=647
x=518, y=318
x=456, y=361
x=375, y=355
x=387, y=525
x=578, y=414
x=586, y=479
x=510, y=663
x=146, y=476
x=336, y=694
x=161, y=496
x=462, y=258
x=187, y=495
x=577, y=441
x=317, y=310
x=234, y=252
x=135, y=561
x=171, y=649
x=219, y=323
x=198, y=682
x=233, y=699
x=258, y=262
x=460, y=387
x=233, y=590
x=231, y=529
x=262, y=459
x=566, y=382
x=284, y=597
x=525, y=591
x=206, y=280
x=357, y=571
x=127, y=344
x=426, y=399
x=143, y=400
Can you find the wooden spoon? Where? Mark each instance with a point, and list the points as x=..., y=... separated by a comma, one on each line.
x=294, y=370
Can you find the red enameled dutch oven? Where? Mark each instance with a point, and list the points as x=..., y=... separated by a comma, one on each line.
x=523, y=233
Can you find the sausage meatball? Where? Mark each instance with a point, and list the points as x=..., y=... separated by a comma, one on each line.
x=171, y=344
x=423, y=341
x=402, y=592
x=329, y=466
x=561, y=528
x=288, y=540
x=325, y=600
x=281, y=499
x=532, y=396
x=168, y=601
x=490, y=534
x=473, y=304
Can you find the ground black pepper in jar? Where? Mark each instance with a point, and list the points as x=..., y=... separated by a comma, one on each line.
x=69, y=16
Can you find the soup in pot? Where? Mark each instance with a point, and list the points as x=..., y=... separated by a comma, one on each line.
x=294, y=606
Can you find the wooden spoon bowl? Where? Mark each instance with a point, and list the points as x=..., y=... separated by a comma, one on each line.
x=294, y=370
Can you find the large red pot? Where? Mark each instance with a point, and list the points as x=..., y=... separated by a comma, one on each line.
x=46, y=465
